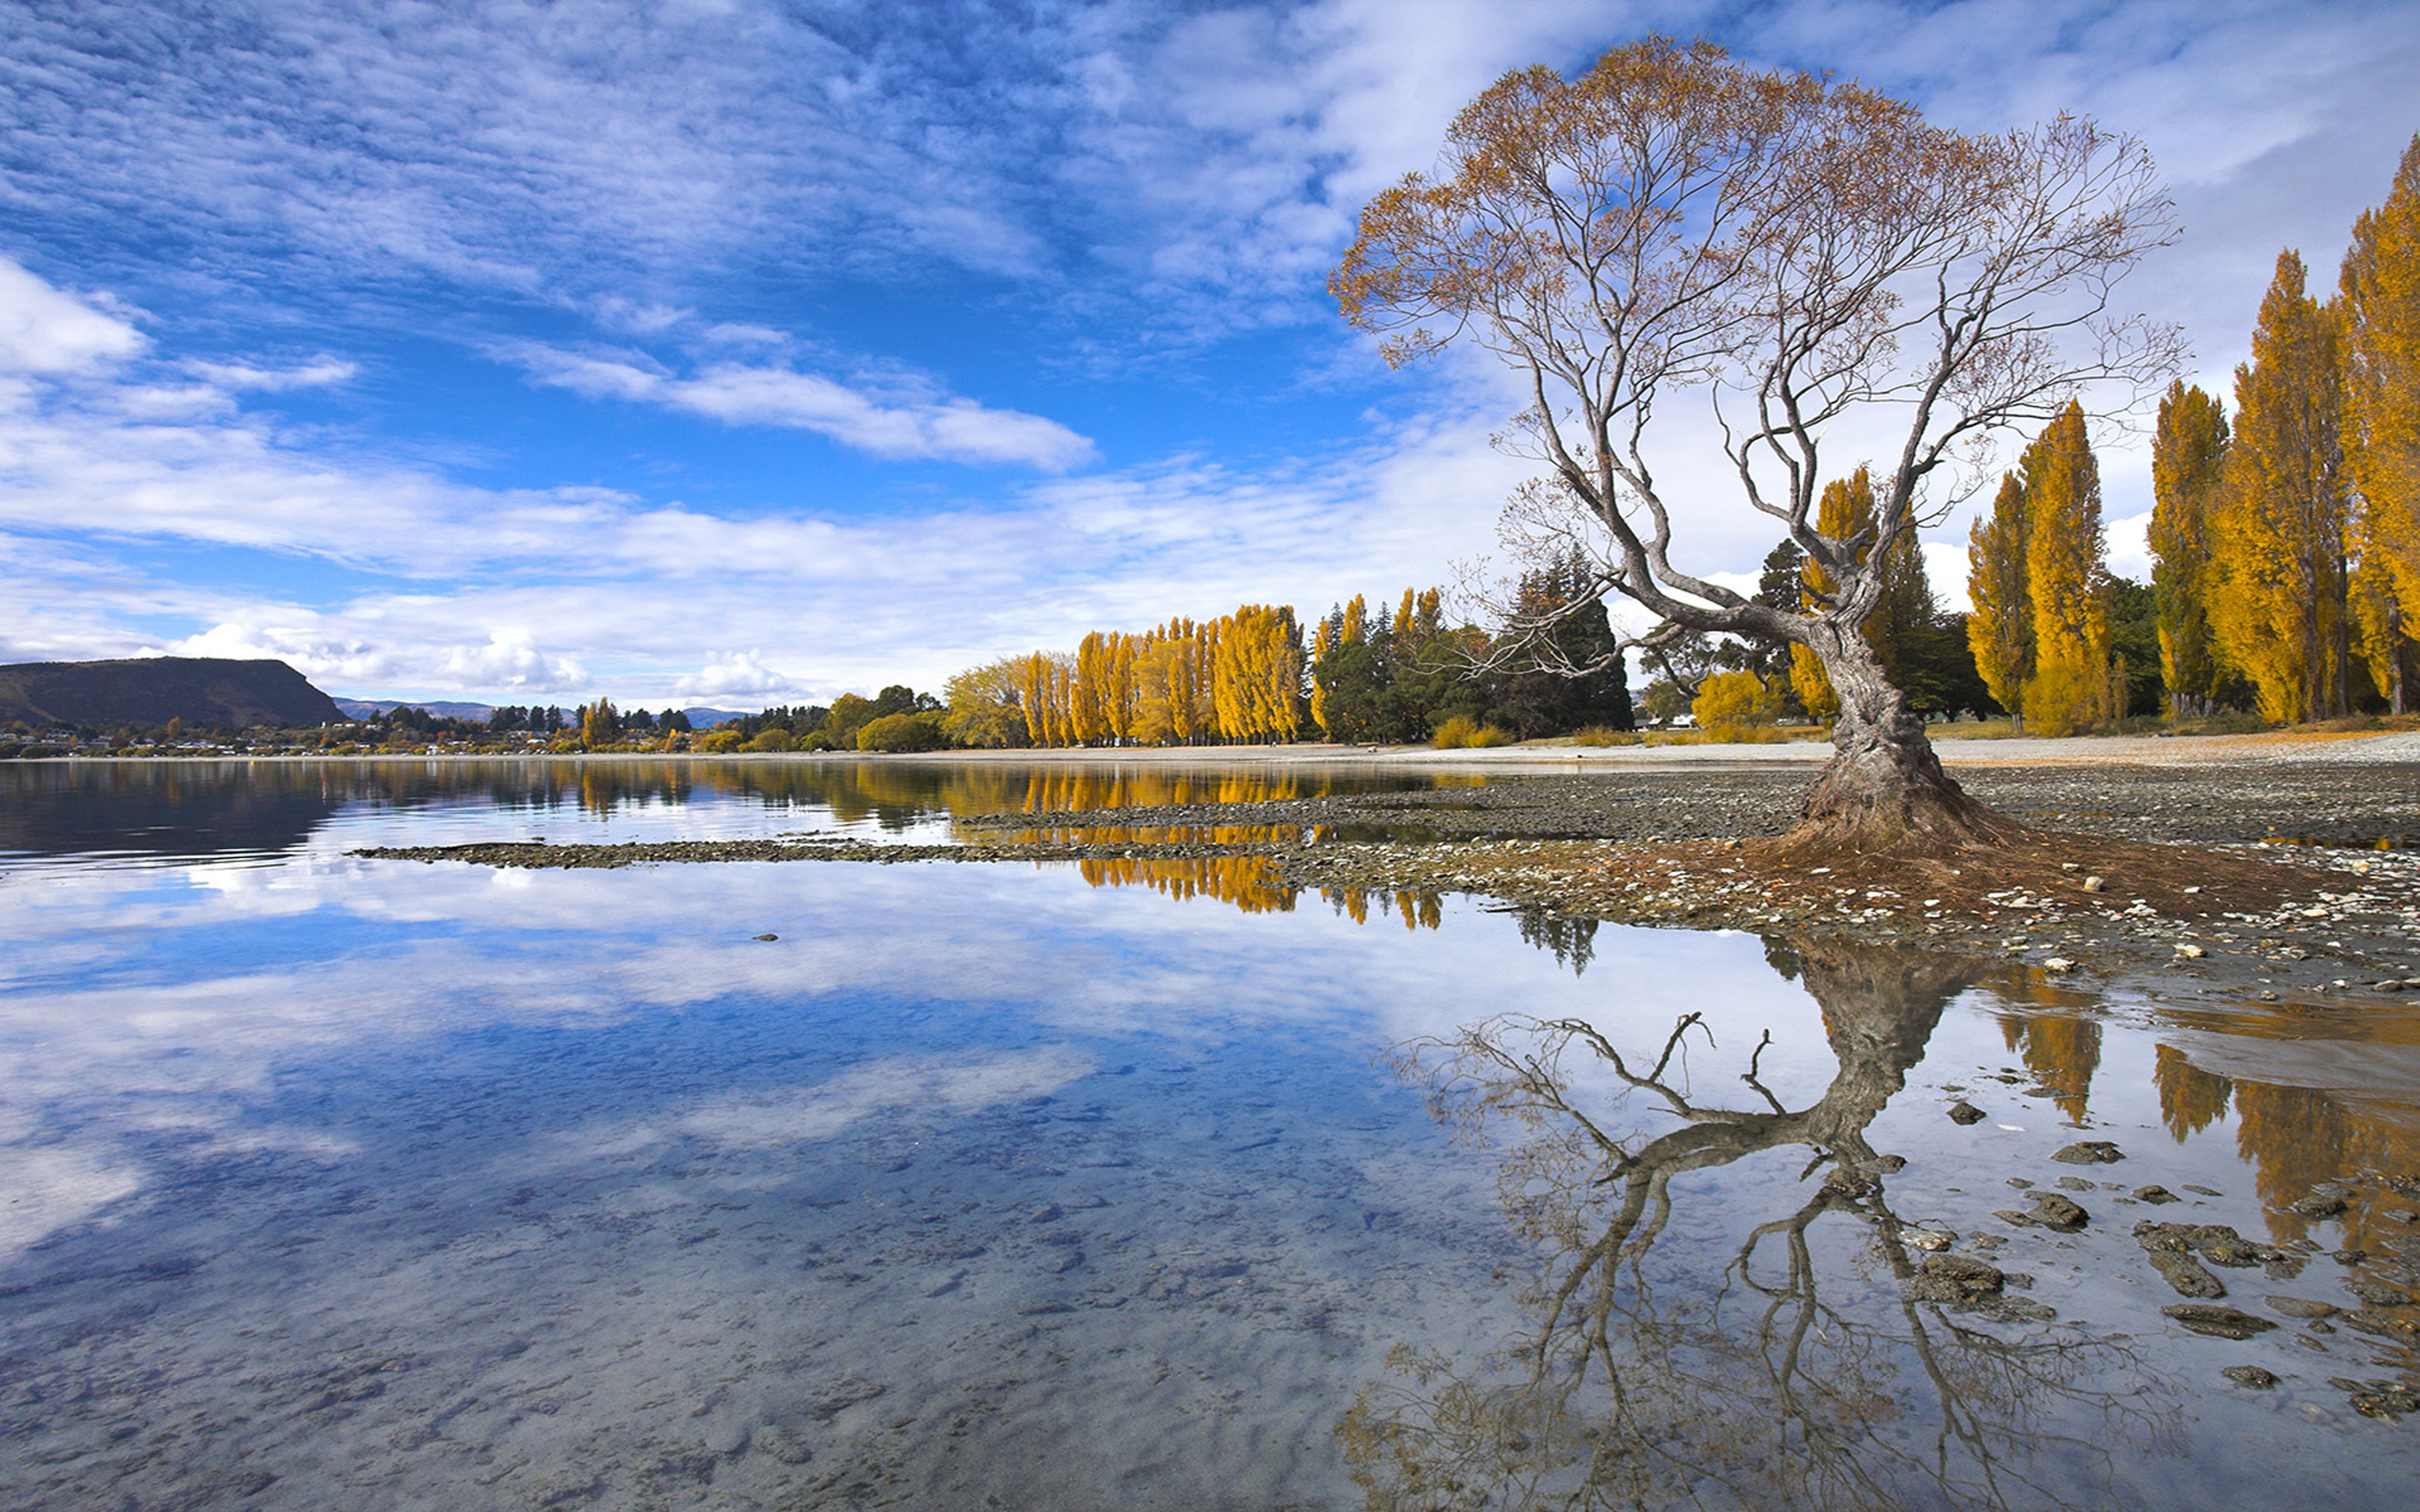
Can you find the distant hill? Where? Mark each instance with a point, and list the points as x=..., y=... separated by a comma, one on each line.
x=207, y=692
x=477, y=713
x=434, y=708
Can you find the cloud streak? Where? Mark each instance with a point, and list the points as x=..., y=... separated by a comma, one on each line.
x=915, y=424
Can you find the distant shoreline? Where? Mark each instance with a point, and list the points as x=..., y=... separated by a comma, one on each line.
x=2389, y=748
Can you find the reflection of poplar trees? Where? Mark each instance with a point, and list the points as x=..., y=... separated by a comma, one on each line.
x=2295, y=1137
x=1249, y=882
x=2062, y=1050
x=2191, y=1099
x=1774, y=1383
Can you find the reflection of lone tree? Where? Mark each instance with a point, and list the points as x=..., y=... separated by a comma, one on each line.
x=1814, y=259
x=1765, y=1389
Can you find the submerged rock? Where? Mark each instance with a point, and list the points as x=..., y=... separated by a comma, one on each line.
x=1963, y=1111
x=2184, y=1275
x=2378, y=1293
x=2250, y=1375
x=2302, y=1307
x=1956, y=1279
x=2389, y=1404
x=2217, y=1322
x=1929, y=1239
x=2053, y=1211
x=782, y=1444
x=2155, y=1195
x=2089, y=1152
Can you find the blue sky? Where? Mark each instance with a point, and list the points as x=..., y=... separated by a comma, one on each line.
x=736, y=352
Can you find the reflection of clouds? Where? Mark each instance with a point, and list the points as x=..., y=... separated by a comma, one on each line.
x=148, y=1015
x=942, y=1083
x=49, y=1188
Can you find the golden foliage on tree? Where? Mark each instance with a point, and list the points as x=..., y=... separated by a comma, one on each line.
x=2067, y=579
x=984, y=704
x=599, y=724
x=1237, y=678
x=1847, y=511
x=2380, y=296
x=2188, y=452
x=1730, y=701
x=2281, y=606
x=2000, y=630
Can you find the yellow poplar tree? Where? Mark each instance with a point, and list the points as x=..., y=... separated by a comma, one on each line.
x=2188, y=451
x=1321, y=647
x=1846, y=509
x=2278, y=532
x=2380, y=302
x=2067, y=579
x=2000, y=631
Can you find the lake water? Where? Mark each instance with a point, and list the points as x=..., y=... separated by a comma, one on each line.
x=332, y=1182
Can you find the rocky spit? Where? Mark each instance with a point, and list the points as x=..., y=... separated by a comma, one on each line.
x=2267, y=877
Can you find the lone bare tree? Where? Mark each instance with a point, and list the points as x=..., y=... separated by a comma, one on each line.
x=1815, y=260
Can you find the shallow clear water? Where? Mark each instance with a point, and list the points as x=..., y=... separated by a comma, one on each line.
x=335, y=1182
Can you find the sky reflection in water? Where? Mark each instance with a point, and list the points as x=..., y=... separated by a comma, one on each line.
x=383, y=1185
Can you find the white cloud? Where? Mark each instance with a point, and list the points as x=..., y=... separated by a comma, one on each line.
x=908, y=424
x=322, y=373
x=49, y=330
x=955, y=429
x=734, y=674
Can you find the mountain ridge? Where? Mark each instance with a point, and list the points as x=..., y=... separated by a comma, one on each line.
x=207, y=692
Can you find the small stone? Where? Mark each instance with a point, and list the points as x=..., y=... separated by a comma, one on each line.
x=2318, y=1205
x=2217, y=1322
x=2089, y=1152
x=1929, y=1239
x=2155, y=1195
x=766, y=936
x=2058, y=964
x=2052, y=1210
x=2078, y=1184
x=2094, y=884
x=2020, y=1182
x=2251, y=1376
x=2013, y=1218
x=1964, y=1112
x=2191, y=952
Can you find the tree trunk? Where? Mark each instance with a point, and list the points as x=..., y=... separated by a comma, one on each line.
x=1884, y=791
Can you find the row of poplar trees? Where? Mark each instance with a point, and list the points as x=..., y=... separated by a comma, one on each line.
x=1237, y=678
x=2038, y=576
x=2287, y=542
x=1248, y=677
x=2288, y=538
